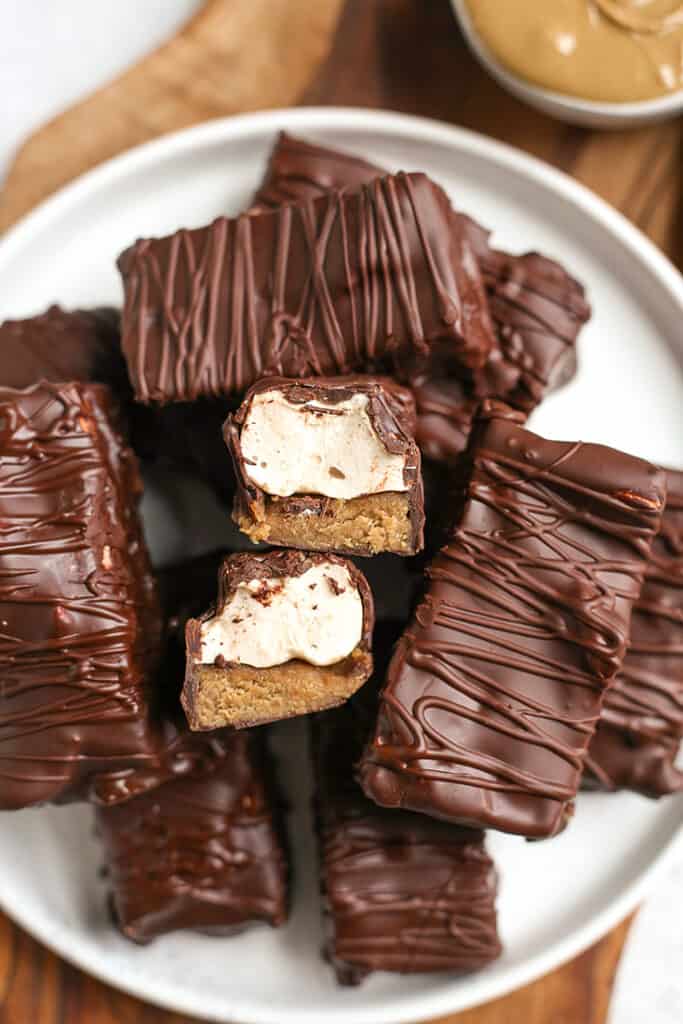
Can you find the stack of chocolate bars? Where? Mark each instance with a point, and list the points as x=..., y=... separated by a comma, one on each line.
x=350, y=364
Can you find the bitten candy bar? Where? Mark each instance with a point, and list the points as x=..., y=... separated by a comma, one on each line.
x=78, y=603
x=494, y=690
x=290, y=633
x=326, y=465
x=401, y=891
x=203, y=852
x=345, y=282
x=641, y=725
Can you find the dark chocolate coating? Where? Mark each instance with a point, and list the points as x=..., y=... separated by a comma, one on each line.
x=538, y=310
x=246, y=566
x=401, y=891
x=345, y=282
x=77, y=600
x=641, y=725
x=202, y=852
x=300, y=170
x=391, y=411
x=58, y=346
x=495, y=689
x=445, y=413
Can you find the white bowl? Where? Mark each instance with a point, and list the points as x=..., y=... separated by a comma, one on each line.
x=593, y=113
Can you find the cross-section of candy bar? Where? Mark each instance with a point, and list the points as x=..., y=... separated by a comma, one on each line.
x=328, y=465
x=290, y=633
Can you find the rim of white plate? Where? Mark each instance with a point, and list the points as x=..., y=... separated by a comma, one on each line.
x=446, y=1000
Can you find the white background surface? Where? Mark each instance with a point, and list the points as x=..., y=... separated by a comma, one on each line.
x=52, y=52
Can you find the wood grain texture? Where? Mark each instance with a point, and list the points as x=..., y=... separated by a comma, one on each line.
x=233, y=56
x=406, y=55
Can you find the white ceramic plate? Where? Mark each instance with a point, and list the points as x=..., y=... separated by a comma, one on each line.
x=556, y=897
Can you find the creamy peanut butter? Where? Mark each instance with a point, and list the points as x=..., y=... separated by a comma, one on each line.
x=617, y=51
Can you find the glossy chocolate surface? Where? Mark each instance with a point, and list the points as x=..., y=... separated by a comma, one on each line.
x=537, y=308
x=77, y=600
x=382, y=277
x=59, y=345
x=494, y=690
x=391, y=412
x=641, y=725
x=203, y=852
x=300, y=170
x=401, y=891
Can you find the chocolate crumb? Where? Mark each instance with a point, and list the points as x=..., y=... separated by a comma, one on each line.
x=334, y=586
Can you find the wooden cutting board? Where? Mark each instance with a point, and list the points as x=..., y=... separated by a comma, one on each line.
x=407, y=55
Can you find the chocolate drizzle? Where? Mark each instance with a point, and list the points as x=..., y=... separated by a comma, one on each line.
x=641, y=724
x=343, y=282
x=537, y=308
x=202, y=852
x=401, y=892
x=77, y=600
x=495, y=688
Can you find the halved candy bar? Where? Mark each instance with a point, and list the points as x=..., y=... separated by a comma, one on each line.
x=401, y=891
x=641, y=724
x=495, y=689
x=290, y=633
x=347, y=282
x=204, y=852
x=327, y=465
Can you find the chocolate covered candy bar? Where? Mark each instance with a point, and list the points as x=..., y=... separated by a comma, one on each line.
x=401, y=891
x=203, y=852
x=300, y=170
x=538, y=311
x=345, y=282
x=537, y=308
x=495, y=689
x=326, y=465
x=78, y=603
x=290, y=633
x=445, y=412
x=641, y=725
x=59, y=346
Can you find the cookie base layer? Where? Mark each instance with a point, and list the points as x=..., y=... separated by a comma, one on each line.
x=368, y=525
x=241, y=696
